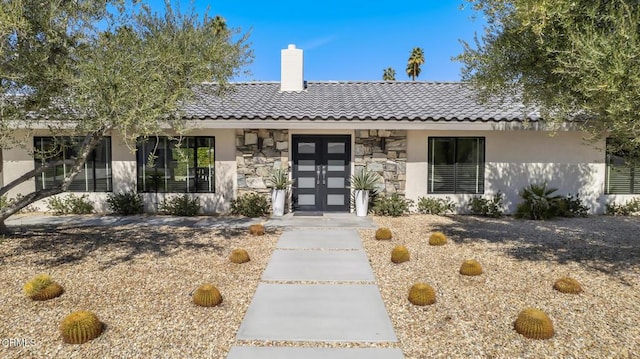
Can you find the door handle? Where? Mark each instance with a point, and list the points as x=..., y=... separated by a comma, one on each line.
x=324, y=174
x=318, y=174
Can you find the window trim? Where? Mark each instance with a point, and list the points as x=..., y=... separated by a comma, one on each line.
x=169, y=141
x=106, y=142
x=431, y=159
x=633, y=174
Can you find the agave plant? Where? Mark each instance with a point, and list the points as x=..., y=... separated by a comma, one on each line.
x=279, y=179
x=364, y=180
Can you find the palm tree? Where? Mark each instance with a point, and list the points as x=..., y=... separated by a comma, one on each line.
x=389, y=74
x=415, y=61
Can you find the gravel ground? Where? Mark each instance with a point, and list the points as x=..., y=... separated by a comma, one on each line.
x=473, y=316
x=138, y=281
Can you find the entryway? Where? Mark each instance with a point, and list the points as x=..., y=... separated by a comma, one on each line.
x=321, y=169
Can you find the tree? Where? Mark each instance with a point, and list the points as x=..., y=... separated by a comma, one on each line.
x=415, y=61
x=90, y=68
x=573, y=60
x=389, y=74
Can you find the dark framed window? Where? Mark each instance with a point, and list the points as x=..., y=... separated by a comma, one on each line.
x=171, y=165
x=456, y=165
x=94, y=177
x=622, y=169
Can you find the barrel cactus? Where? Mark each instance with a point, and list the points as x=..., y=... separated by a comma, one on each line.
x=42, y=287
x=207, y=296
x=399, y=254
x=422, y=294
x=383, y=234
x=567, y=285
x=80, y=327
x=470, y=267
x=437, y=239
x=239, y=256
x=256, y=229
x=534, y=324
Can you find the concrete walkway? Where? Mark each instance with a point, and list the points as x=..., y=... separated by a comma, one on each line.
x=318, y=287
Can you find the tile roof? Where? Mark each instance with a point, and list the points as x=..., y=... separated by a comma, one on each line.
x=392, y=100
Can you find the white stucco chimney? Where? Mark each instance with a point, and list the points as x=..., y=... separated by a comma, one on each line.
x=291, y=69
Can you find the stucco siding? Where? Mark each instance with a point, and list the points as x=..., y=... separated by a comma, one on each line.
x=515, y=159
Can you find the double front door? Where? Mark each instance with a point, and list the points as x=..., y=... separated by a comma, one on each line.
x=321, y=169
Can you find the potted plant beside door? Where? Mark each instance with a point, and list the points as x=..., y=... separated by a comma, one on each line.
x=279, y=180
x=362, y=183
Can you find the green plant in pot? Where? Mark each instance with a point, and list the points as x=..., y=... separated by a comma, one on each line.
x=279, y=180
x=362, y=182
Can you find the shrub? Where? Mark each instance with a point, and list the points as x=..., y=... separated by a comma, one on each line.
x=207, y=296
x=438, y=239
x=5, y=202
x=126, y=203
x=487, y=207
x=182, y=205
x=539, y=202
x=570, y=206
x=71, y=204
x=383, y=234
x=623, y=209
x=80, y=327
x=394, y=206
x=534, y=324
x=422, y=294
x=250, y=205
x=437, y=206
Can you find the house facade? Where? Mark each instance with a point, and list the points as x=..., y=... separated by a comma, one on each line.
x=424, y=139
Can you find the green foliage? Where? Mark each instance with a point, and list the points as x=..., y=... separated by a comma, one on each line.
x=565, y=57
x=71, y=204
x=487, y=207
x=279, y=179
x=250, y=205
x=93, y=67
x=125, y=203
x=437, y=206
x=539, y=202
x=416, y=59
x=389, y=74
x=628, y=208
x=393, y=206
x=571, y=206
x=183, y=205
x=364, y=180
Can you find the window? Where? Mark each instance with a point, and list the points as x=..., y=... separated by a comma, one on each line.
x=456, y=165
x=95, y=176
x=623, y=169
x=167, y=165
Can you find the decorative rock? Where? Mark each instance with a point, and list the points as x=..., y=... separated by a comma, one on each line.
x=384, y=133
x=375, y=167
x=255, y=182
x=282, y=145
x=268, y=142
x=250, y=139
x=363, y=133
x=262, y=133
x=360, y=150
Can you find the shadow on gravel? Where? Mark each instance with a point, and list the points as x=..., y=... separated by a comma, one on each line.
x=607, y=244
x=57, y=245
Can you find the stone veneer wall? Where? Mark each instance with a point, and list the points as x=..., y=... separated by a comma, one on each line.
x=390, y=163
x=258, y=152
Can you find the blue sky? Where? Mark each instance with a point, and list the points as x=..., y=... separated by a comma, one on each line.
x=349, y=40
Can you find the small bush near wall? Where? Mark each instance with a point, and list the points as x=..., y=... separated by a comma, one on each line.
x=571, y=206
x=71, y=204
x=126, y=203
x=539, y=202
x=250, y=205
x=631, y=207
x=493, y=207
x=437, y=206
x=180, y=206
x=4, y=202
x=394, y=206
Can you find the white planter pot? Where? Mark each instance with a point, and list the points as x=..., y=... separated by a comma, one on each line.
x=278, y=197
x=362, y=202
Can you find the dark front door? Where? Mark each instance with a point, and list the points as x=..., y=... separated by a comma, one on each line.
x=321, y=169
